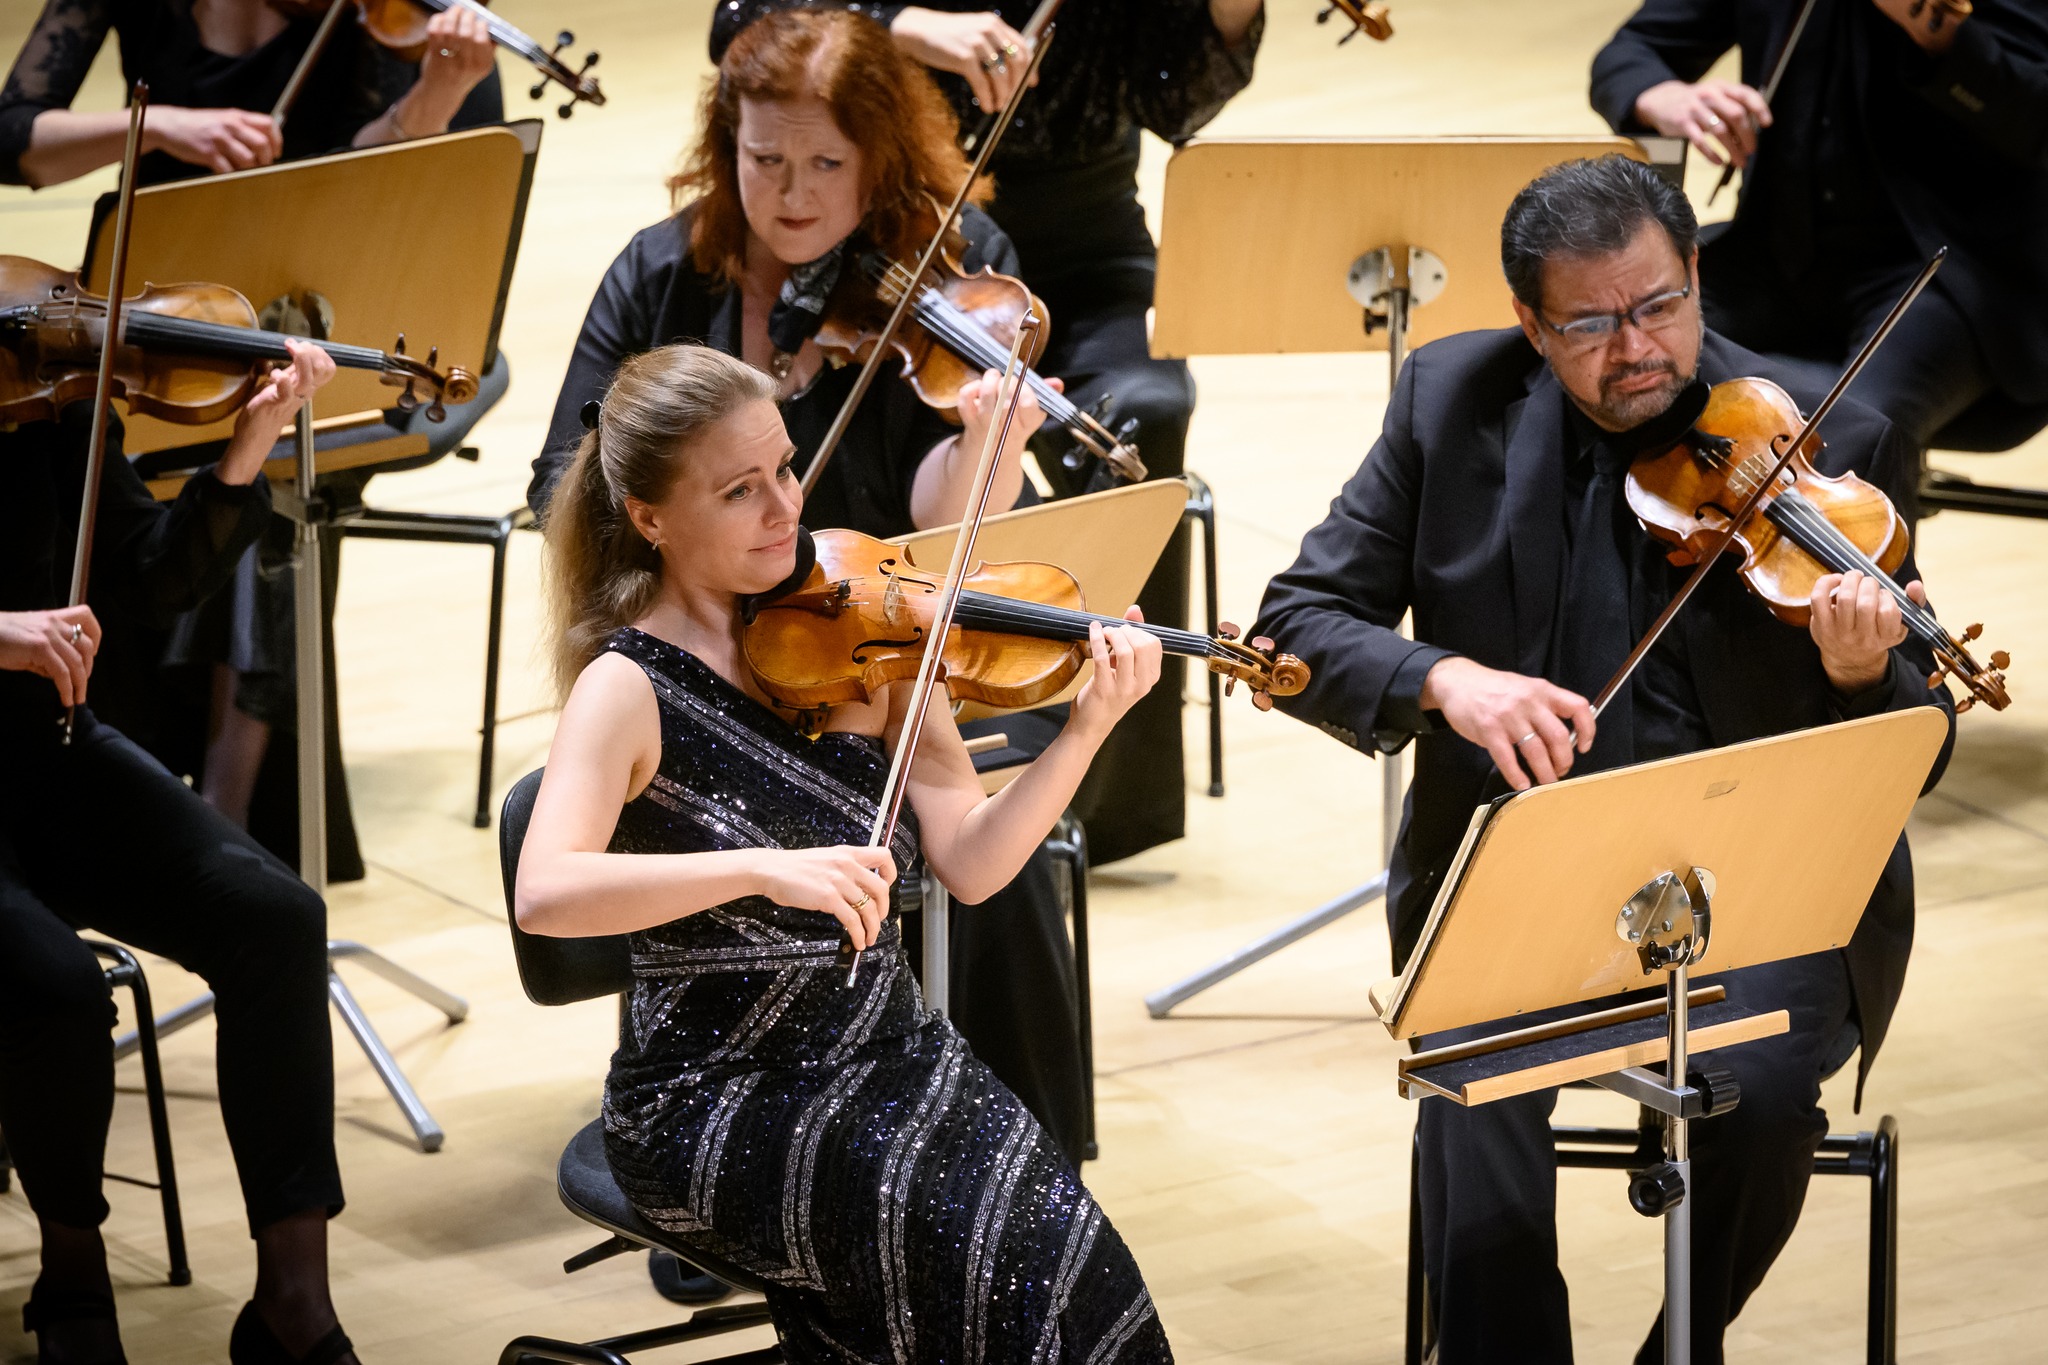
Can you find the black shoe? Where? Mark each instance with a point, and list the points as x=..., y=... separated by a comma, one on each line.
x=679, y=1283
x=47, y=1309
x=253, y=1343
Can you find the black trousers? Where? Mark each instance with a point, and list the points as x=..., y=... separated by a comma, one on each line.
x=1924, y=375
x=99, y=836
x=1135, y=794
x=1488, y=1184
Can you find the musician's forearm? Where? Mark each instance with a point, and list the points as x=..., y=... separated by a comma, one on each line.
x=1233, y=18
x=64, y=144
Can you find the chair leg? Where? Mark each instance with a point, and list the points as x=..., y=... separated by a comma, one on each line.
x=1883, y=1333
x=488, y=750
x=126, y=971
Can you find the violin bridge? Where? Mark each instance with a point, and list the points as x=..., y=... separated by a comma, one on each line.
x=892, y=600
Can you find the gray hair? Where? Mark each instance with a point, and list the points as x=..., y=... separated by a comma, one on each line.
x=1588, y=208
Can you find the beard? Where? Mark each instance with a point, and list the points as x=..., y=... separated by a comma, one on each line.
x=1619, y=411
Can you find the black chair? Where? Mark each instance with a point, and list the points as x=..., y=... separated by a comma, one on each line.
x=1872, y=1155
x=1992, y=424
x=561, y=971
x=127, y=972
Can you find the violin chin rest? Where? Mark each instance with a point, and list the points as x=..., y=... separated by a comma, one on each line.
x=806, y=560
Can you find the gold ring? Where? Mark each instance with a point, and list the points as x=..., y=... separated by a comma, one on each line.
x=856, y=905
x=992, y=61
x=1010, y=50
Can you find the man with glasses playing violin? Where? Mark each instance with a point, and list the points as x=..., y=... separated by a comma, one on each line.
x=1493, y=508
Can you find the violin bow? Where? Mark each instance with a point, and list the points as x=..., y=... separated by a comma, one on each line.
x=103, y=389
x=889, y=806
x=1727, y=534
x=1034, y=29
x=1770, y=90
x=868, y=368
x=290, y=95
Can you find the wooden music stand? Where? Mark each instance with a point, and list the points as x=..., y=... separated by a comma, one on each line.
x=414, y=240
x=1595, y=886
x=1109, y=541
x=1356, y=236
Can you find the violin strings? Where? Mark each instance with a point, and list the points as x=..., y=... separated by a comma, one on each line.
x=954, y=327
x=1796, y=514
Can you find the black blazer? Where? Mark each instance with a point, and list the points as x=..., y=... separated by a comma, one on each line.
x=1458, y=514
x=1961, y=143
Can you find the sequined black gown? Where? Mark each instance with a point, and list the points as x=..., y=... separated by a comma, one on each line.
x=843, y=1144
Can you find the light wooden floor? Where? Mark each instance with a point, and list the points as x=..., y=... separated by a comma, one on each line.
x=1254, y=1152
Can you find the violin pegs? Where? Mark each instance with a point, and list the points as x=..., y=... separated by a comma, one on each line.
x=1262, y=643
x=1965, y=703
x=1936, y=678
x=398, y=347
x=2000, y=660
x=1972, y=631
x=566, y=109
x=1230, y=686
x=436, y=412
x=1262, y=701
x=433, y=357
x=537, y=89
x=1225, y=631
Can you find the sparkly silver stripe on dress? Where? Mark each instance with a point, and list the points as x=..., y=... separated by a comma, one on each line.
x=842, y=1144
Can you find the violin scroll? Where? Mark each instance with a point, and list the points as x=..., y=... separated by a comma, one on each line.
x=1371, y=17
x=1257, y=664
x=1952, y=660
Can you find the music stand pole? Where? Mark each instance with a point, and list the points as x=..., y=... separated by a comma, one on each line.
x=312, y=679
x=1386, y=295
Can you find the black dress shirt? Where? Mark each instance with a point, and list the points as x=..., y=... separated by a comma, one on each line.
x=654, y=295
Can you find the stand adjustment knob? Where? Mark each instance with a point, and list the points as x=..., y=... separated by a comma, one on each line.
x=1719, y=1090
x=1656, y=1190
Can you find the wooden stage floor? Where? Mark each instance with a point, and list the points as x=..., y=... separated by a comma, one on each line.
x=1254, y=1152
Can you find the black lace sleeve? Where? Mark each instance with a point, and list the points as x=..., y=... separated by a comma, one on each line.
x=733, y=15
x=1179, y=72
x=46, y=75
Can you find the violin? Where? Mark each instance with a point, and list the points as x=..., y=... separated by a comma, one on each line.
x=401, y=26
x=1804, y=525
x=1371, y=18
x=961, y=326
x=861, y=617
x=186, y=353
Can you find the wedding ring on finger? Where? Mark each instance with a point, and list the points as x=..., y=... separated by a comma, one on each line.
x=77, y=632
x=1713, y=124
x=859, y=904
x=993, y=62
x=1011, y=50
x=1525, y=739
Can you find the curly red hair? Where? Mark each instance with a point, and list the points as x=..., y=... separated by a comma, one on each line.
x=882, y=100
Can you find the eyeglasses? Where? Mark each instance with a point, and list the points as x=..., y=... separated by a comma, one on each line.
x=1651, y=315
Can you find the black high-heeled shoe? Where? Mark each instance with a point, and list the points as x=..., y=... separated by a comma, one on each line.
x=46, y=1309
x=253, y=1343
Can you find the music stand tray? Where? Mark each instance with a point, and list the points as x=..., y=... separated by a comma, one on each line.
x=1599, y=885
